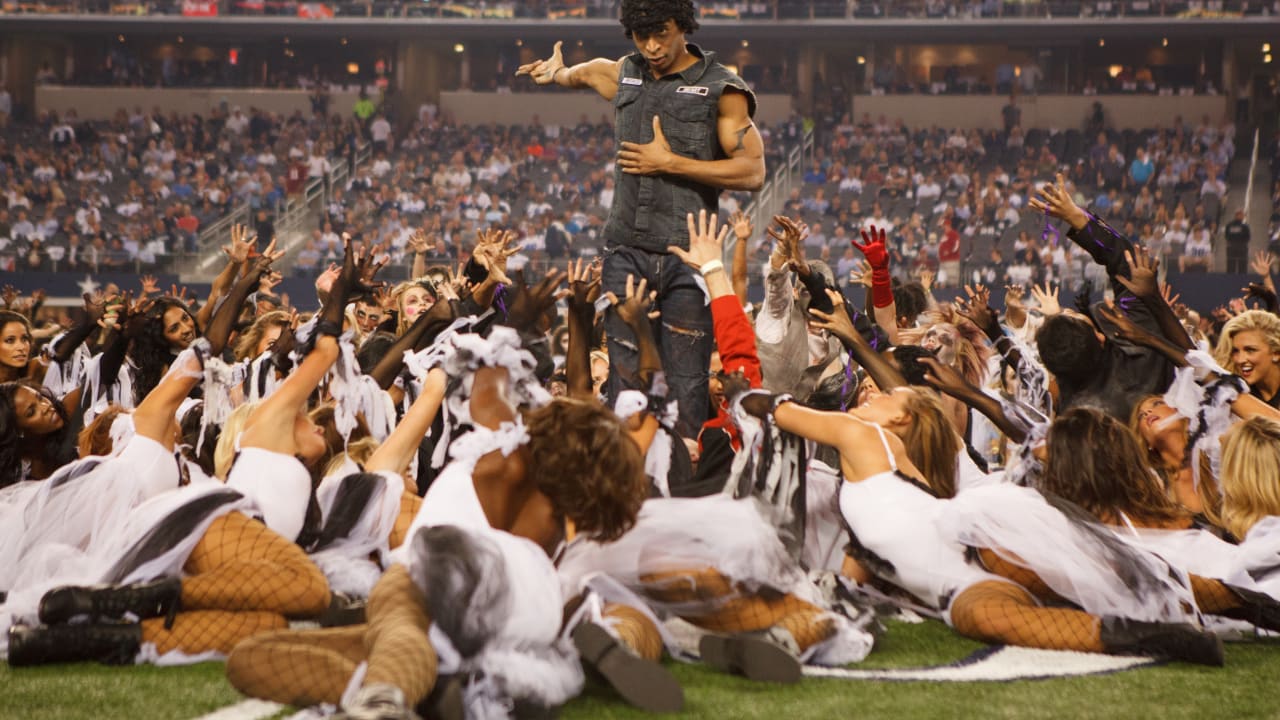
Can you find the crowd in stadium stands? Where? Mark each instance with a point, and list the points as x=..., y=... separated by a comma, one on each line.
x=134, y=192
x=738, y=10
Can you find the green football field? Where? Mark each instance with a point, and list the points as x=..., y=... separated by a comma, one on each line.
x=1249, y=687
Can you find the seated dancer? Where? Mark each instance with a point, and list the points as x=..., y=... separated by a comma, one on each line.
x=190, y=562
x=514, y=491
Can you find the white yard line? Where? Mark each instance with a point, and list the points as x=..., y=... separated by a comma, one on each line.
x=245, y=710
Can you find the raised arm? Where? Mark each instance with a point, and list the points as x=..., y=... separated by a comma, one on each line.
x=237, y=255
x=742, y=231
x=264, y=425
x=223, y=321
x=584, y=288
x=394, y=454
x=840, y=323
x=430, y=323
x=599, y=74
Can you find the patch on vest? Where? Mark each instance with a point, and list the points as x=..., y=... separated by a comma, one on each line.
x=632, y=81
x=693, y=90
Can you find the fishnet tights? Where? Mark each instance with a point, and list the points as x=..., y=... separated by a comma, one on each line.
x=203, y=630
x=307, y=667
x=241, y=565
x=634, y=629
x=1025, y=577
x=409, y=504
x=1214, y=597
x=997, y=611
x=735, y=609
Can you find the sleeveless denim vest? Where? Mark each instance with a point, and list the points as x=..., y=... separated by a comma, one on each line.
x=649, y=211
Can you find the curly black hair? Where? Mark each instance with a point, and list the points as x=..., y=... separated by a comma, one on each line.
x=55, y=449
x=1069, y=348
x=908, y=358
x=648, y=17
x=150, y=351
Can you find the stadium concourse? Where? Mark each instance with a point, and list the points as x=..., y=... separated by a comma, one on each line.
x=599, y=359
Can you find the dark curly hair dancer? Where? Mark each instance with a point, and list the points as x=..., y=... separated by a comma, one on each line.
x=647, y=17
x=35, y=428
x=169, y=328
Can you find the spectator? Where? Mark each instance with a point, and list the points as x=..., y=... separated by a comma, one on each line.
x=1141, y=169
x=1237, y=236
x=364, y=108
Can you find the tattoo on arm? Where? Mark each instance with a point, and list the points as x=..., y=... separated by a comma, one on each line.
x=742, y=135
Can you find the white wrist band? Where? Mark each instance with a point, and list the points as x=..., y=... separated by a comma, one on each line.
x=710, y=267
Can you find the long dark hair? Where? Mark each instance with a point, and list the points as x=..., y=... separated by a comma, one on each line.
x=1096, y=463
x=55, y=449
x=150, y=351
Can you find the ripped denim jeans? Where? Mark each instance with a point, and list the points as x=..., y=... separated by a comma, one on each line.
x=683, y=331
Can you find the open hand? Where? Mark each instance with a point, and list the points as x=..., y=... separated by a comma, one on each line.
x=1142, y=280
x=705, y=244
x=837, y=322
x=944, y=378
x=1047, y=298
x=874, y=247
x=651, y=158
x=543, y=72
x=634, y=308
x=1055, y=201
x=584, y=282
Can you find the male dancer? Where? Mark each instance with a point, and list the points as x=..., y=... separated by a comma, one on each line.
x=684, y=134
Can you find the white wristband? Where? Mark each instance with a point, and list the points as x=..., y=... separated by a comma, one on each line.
x=710, y=267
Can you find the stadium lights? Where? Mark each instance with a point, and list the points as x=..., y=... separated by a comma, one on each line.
x=458, y=48
x=343, y=41
x=746, y=44
x=179, y=39
x=862, y=60
x=353, y=68
x=120, y=38
x=1266, y=47
x=1164, y=42
x=1266, y=58
x=1102, y=42
x=519, y=42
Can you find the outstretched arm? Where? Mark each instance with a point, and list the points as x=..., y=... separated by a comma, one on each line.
x=600, y=74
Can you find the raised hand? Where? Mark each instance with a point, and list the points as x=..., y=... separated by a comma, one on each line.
x=584, y=282
x=543, y=72
x=790, y=238
x=861, y=273
x=150, y=285
x=1142, y=280
x=268, y=280
x=493, y=249
x=926, y=279
x=976, y=307
x=324, y=282
x=944, y=378
x=1125, y=328
x=705, y=244
x=1055, y=201
x=634, y=308
x=531, y=303
x=9, y=294
x=836, y=322
x=651, y=158
x=419, y=242
x=1261, y=263
x=242, y=244
x=1047, y=298
x=874, y=247
x=95, y=305
x=1170, y=297
x=1258, y=291
x=742, y=228
x=1236, y=306
x=1013, y=295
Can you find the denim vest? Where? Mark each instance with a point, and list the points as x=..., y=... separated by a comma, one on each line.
x=649, y=211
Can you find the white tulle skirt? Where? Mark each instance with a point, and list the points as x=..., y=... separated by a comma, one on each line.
x=1080, y=560
x=347, y=561
x=674, y=535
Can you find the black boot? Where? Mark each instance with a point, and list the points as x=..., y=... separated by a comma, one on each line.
x=643, y=683
x=112, y=602
x=769, y=656
x=1170, y=641
x=1258, y=609
x=113, y=644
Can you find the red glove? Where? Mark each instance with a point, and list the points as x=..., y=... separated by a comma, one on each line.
x=877, y=254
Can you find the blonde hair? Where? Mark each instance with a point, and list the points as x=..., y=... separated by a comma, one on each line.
x=358, y=451
x=1256, y=320
x=1250, y=469
x=931, y=440
x=225, y=453
x=397, y=299
x=247, y=345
